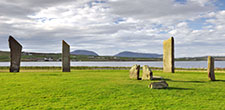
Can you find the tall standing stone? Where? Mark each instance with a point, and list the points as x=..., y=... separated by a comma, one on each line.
x=65, y=57
x=15, y=54
x=134, y=72
x=168, y=55
x=147, y=73
x=211, y=74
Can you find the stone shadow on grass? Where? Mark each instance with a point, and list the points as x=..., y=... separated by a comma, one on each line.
x=189, y=81
x=178, y=88
x=166, y=79
x=220, y=80
x=155, y=79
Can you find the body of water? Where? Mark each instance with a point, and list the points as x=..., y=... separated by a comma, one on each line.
x=178, y=64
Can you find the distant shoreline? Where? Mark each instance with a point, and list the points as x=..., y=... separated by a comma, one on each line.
x=56, y=57
x=121, y=61
x=100, y=61
x=101, y=68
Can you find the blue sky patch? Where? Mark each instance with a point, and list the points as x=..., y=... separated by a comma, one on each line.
x=220, y=4
x=198, y=24
x=118, y=20
x=90, y=4
x=181, y=1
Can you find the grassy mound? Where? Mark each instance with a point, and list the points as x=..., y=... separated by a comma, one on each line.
x=109, y=89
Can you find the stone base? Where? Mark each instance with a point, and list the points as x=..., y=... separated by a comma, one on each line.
x=158, y=85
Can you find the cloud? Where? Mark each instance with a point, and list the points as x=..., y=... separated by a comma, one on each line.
x=111, y=26
x=150, y=9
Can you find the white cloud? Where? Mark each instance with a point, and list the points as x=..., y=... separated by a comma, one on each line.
x=111, y=26
x=202, y=2
x=148, y=9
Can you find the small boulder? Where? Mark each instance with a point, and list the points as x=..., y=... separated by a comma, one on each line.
x=134, y=72
x=147, y=73
x=158, y=85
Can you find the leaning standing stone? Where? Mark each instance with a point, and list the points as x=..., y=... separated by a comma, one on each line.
x=134, y=72
x=15, y=54
x=158, y=85
x=65, y=57
x=147, y=73
x=168, y=55
x=211, y=74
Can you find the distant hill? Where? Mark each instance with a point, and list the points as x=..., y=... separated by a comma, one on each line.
x=89, y=56
x=83, y=52
x=138, y=55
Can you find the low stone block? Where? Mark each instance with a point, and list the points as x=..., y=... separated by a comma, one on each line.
x=211, y=74
x=158, y=85
x=147, y=73
x=15, y=54
x=134, y=72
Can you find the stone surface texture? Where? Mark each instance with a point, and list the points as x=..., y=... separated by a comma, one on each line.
x=158, y=85
x=147, y=73
x=65, y=57
x=168, y=55
x=15, y=54
x=211, y=74
x=134, y=72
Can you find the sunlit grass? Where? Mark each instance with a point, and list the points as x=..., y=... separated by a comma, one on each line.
x=108, y=89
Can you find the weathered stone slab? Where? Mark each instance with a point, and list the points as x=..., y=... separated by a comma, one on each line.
x=134, y=72
x=168, y=55
x=147, y=73
x=158, y=85
x=65, y=57
x=211, y=74
x=15, y=54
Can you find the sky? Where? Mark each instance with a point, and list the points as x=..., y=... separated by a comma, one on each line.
x=112, y=26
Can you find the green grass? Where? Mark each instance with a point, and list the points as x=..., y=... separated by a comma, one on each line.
x=109, y=89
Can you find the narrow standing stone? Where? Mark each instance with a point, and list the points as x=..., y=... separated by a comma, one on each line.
x=147, y=73
x=65, y=57
x=211, y=74
x=168, y=55
x=15, y=54
x=134, y=72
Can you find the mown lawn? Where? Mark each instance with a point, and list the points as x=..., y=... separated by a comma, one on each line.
x=109, y=89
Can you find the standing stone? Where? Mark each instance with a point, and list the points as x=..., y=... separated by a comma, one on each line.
x=168, y=55
x=134, y=72
x=211, y=74
x=65, y=57
x=15, y=54
x=147, y=73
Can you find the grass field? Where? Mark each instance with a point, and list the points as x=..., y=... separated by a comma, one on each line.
x=109, y=89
